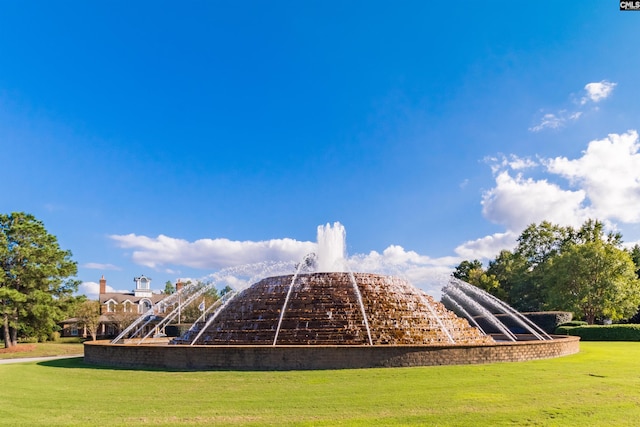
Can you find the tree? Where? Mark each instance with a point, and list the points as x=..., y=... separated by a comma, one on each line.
x=473, y=273
x=466, y=269
x=88, y=314
x=509, y=271
x=593, y=231
x=169, y=288
x=225, y=290
x=192, y=312
x=123, y=316
x=594, y=280
x=537, y=244
x=583, y=270
x=35, y=280
x=635, y=256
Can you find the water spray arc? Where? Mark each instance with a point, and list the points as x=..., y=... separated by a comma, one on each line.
x=308, y=260
x=224, y=301
x=463, y=297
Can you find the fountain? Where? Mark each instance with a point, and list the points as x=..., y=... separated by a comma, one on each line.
x=458, y=294
x=324, y=315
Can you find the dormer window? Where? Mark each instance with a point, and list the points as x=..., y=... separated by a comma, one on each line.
x=143, y=283
x=144, y=305
x=143, y=286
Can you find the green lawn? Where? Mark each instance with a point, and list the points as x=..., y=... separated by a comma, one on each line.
x=598, y=386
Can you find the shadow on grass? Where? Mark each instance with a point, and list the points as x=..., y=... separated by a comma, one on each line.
x=78, y=363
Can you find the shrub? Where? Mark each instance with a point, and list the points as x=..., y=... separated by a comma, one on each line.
x=176, y=330
x=602, y=332
x=71, y=340
x=548, y=321
x=574, y=323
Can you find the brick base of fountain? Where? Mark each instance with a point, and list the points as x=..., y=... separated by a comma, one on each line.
x=328, y=321
x=246, y=357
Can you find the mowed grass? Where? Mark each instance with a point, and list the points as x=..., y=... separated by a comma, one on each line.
x=600, y=386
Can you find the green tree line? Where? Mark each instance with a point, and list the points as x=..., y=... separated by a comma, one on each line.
x=582, y=270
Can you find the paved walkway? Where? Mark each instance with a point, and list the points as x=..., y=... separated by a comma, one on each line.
x=37, y=359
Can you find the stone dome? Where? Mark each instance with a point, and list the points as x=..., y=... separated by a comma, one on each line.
x=326, y=309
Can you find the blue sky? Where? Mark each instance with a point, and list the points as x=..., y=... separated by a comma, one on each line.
x=176, y=139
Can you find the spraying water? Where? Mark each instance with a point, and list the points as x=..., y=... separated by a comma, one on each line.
x=307, y=260
x=361, y=304
x=332, y=258
x=331, y=248
x=491, y=302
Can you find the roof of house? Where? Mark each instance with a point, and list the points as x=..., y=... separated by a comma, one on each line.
x=116, y=317
x=120, y=297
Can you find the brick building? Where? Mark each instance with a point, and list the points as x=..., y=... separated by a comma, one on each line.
x=119, y=309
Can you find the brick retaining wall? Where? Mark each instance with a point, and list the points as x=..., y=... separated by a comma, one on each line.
x=318, y=357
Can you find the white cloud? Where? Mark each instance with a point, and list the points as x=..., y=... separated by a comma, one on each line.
x=99, y=266
x=502, y=162
x=92, y=289
x=596, y=92
x=162, y=251
x=395, y=258
x=487, y=247
x=423, y=271
x=556, y=120
x=630, y=245
x=519, y=163
x=516, y=202
x=548, y=121
x=609, y=174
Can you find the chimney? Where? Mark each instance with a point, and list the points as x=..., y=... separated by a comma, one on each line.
x=178, y=285
x=103, y=285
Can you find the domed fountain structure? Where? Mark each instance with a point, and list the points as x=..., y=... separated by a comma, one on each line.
x=325, y=317
x=336, y=309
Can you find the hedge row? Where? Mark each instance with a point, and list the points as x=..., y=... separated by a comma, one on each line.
x=176, y=330
x=602, y=332
x=548, y=321
x=575, y=323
